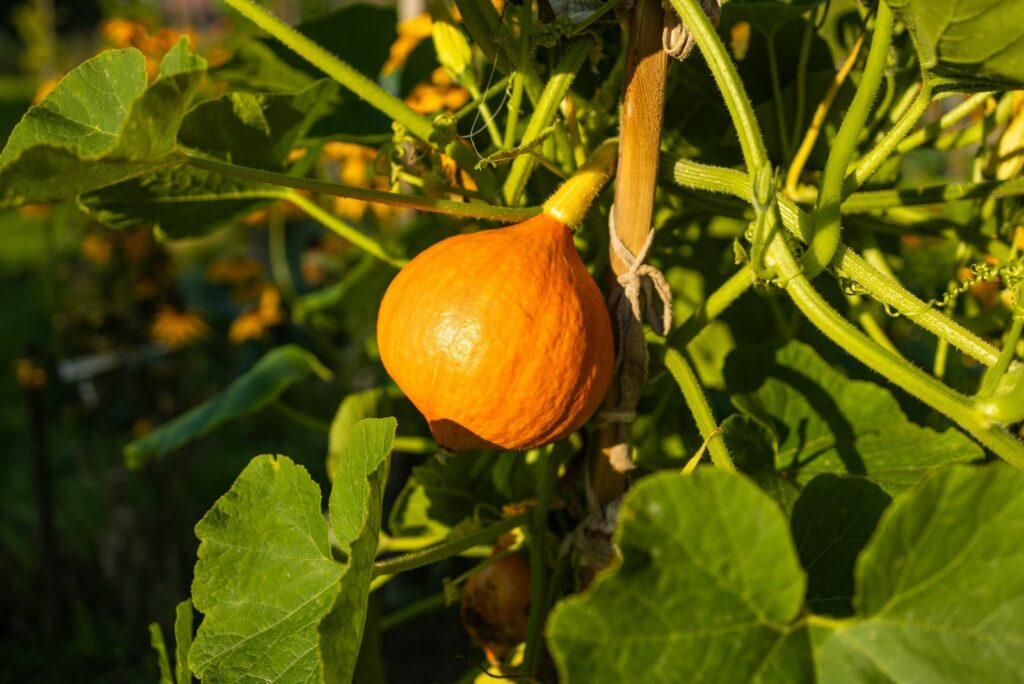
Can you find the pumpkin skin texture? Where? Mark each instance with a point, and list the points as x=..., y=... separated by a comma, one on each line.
x=500, y=338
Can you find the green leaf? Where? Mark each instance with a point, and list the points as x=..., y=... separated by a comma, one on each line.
x=249, y=129
x=100, y=125
x=707, y=589
x=354, y=407
x=940, y=588
x=183, y=641
x=252, y=391
x=827, y=423
x=355, y=510
x=752, y=446
x=255, y=66
x=156, y=640
x=768, y=15
x=832, y=522
x=447, y=490
x=265, y=578
x=979, y=40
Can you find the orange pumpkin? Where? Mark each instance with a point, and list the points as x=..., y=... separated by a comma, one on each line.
x=501, y=338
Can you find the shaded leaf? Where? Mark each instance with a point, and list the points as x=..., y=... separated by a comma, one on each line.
x=156, y=640
x=355, y=510
x=708, y=586
x=447, y=490
x=265, y=578
x=940, y=587
x=101, y=124
x=248, y=129
x=252, y=391
x=183, y=641
x=976, y=39
x=827, y=423
x=832, y=521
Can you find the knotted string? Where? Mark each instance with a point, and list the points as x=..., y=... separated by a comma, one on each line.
x=642, y=288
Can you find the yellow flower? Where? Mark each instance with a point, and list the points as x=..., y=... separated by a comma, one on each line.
x=410, y=34
x=29, y=374
x=247, y=326
x=177, y=328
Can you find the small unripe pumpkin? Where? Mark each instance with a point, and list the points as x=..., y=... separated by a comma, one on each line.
x=501, y=338
x=495, y=606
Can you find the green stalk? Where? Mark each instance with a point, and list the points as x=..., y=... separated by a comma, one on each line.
x=447, y=549
x=847, y=263
x=414, y=445
x=330, y=221
x=277, y=248
x=538, y=586
x=515, y=102
x=479, y=99
x=698, y=403
x=990, y=382
x=439, y=206
x=827, y=218
x=719, y=300
x=340, y=71
x=301, y=418
x=801, y=79
x=952, y=404
x=544, y=113
x=870, y=162
x=943, y=193
x=780, y=110
x=950, y=118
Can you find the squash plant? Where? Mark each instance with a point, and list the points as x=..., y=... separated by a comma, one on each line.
x=807, y=465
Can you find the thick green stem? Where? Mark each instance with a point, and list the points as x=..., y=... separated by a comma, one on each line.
x=544, y=114
x=848, y=264
x=827, y=219
x=991, y=380
x=447, y=549
x=412, y=611
x=698, y=403
x=870, y=162
x=277, y=248
x=917, y=383
x=414, y=445
x=340, y=71
x=438, y=206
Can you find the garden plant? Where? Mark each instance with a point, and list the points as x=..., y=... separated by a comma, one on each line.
x=682, y=340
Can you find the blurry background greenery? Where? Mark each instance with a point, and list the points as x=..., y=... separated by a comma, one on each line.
x=108, y=334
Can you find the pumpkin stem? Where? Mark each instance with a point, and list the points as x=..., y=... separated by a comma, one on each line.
x=571, y=202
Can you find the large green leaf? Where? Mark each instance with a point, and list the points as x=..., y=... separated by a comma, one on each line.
x=252, y=391
x=355, y=509
x=826, y=423
x=940, y=587
x=250, y=129
x=100, y=125
x=265, y=578
x=707, y=590
x=977, y=39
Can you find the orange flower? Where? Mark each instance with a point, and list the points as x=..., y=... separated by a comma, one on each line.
x=177, y=328
x=97, y=249
x=231, y=271
x=252, y=323
x=410, y=34
x=438, y=94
